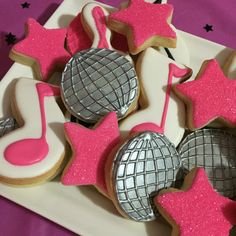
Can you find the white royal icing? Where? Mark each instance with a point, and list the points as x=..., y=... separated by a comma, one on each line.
x=27, y=102
x=153, y=71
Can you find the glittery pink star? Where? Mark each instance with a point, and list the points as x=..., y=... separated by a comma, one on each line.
x=90, y=150
x=210, y=96
x=44, y=46
x=198, y=209
x=141, y=22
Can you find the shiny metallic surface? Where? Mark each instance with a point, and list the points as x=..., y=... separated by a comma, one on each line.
x=143, y=165
x=7, y=125
x=98, y=81
x=215, y=151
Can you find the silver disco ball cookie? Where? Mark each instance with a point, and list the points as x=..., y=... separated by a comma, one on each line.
x=215, y=151
x=7, y=125
x=98, y=81
x=142, y=166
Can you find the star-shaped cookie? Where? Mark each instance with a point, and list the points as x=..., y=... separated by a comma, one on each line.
x=196, y=209
x=144, y=24
x=90, y=149
x=210, y=96
x=43, y=49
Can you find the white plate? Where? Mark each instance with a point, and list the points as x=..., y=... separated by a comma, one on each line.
x=82, y=209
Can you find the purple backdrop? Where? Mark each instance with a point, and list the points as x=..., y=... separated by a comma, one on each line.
x=213, y=20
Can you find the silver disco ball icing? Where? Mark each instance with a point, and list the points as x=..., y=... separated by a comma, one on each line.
x=7, y=125
x=215, y=151
x=98, y=81
x=142, y=166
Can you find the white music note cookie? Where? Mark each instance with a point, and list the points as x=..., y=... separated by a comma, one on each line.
x=158, y=105
x=34, y=152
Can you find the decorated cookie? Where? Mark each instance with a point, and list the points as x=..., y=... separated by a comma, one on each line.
x=144, y=24
x=43, y=49
x=229, y=67
x=7, y=125
x=196, y=209
x=77, y=39
x=98, y=81
x=34, y=152
x=145, y=163
x=215, y=151
x=90, y=150
x=211, y=96
x=158, y=105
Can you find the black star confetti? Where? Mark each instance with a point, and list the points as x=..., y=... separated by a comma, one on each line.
x=10, y=38
x=208, y=27
x=25, y=5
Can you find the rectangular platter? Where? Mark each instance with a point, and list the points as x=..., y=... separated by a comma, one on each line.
x=82, y=209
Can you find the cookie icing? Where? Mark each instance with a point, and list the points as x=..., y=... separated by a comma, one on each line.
x=142, y=22
x=214, y=150
x=7, y=125
x=90, y=150
x=36, y=46
x=197, y=209
x=229, y=66
x=206, y=104
x=144, y=164
x=26, y=96
x=29, y=151
x=95, y=18
x=98, y=81
x=158, y=105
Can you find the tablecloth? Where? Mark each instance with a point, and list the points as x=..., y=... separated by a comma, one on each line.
x=213, y=20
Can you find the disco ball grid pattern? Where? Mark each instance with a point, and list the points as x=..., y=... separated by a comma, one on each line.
x=215, y=151
x=98, y=81
x=7, y=125
x=142, y=166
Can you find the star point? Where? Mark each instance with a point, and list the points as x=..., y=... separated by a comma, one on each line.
x=209, y=97
x=90, y=150
x=144, y=24
x=43, y=46
x=10, y=38
x=197, y=209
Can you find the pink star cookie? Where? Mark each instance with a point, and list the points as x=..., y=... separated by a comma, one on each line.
x=197, y=210
x=90, y=150
x=144, y=24
x=210, y=96
x=43, y=49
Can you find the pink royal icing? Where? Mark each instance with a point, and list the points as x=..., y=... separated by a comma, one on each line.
x=90, y=150
x=77, y=38
x=29, y=151
x=176, y=72
x=37, y=45
x=211, y=94
x=100, y=21
x=145, y=20
x=199, y=210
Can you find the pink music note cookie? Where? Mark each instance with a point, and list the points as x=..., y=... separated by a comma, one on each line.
x=196, y=209
x=90, y=150
x=43, y=49
x=157, y=104
x=211, y=96
x=144, y=24
x=34, y=152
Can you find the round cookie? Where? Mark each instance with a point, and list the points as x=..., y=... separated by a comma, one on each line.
x=7, y=125
x=142, y=165
x=215, y=151
x=98, y=81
